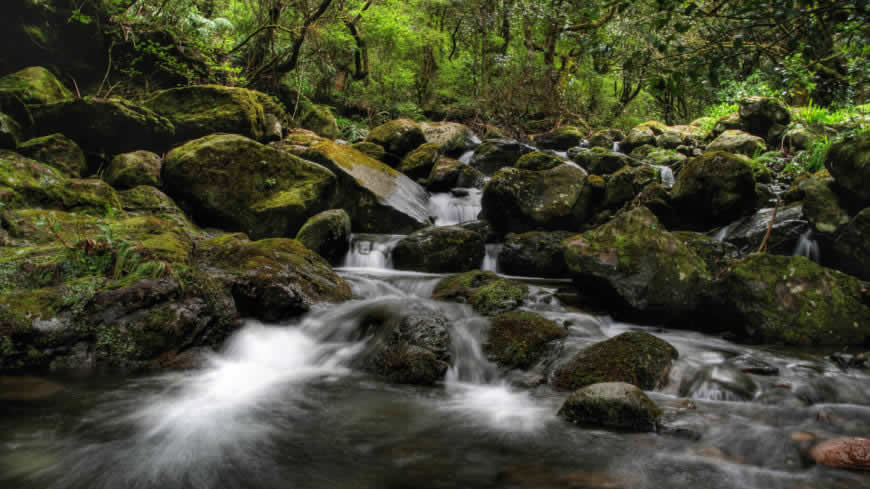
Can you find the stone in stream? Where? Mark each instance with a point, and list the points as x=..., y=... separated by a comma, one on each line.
x=130, y=170
x=844, y=453
x=849, y=164
x=534, y=254
x=665, y=157
x=614, y=405
x=714, y=189
x=327, y=234
x=738, y=142
x=538, y=161
x=495, y=154
x=715, y=253
x=398, y=138
x=446, y=249
x=822, y=207
x=561, y=138
x=720, y=383
x=57, y=151
x=486, y=292
x=451, y=138
x=748, y=233
x=518, y=339
x=624, y=185
x=600, y=161
x=606, y=138
x=637, y=357
x=448, y=174
x=418, y=164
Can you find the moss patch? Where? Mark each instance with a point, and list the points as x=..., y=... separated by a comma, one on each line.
x=518, y=339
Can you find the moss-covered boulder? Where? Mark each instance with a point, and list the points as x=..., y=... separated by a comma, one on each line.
x=728, y=122
x=308, y=115
x=378, y=198
x=201, y=110
x=534, y=254
x=486, y=292
x=614, y=405
x=606, y=138
x=398, y=138
x=538, y=161
x=371, y=150
x=764, y=117
x=561, y=138
x=146, y=200
x=633, y=261
x=738, y=142
x=518, y=339
x=236, y=183
x=717, y=255
x=639, y=136
x=447, y=249
x=10, y=132
x=130, y=170
x=35, y=86
x=327, y=234
x=110, y=126
x=57, y=151
x=494, y=154
x=271, y=279
x=792, y=300
x=748, y=233
x=517, y=200
x=419, y=163
x=851, y=248
x=636, y=357
x=625, y=184
x=665, y=157
x=799, y=138
x=448, y=174
x=849, y=164
x=451, y=138
x=600, y=161
x=822, y=206
x=714, y=189
x=670, y=139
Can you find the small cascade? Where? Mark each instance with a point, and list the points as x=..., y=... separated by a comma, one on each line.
x=808, y=247
x=466, y=157
x=475, y=140
x=371, y=251
x=490, y=260
x=617, y=147
x=460, y=205
x=666, y=174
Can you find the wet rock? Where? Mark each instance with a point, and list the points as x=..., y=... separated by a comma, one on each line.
x=844, y=453
x=614, y=405
x=398, y=138
x=538, y=161
x=822, y=207
x=448, y=174
x=440, y=250
x=419, y=163
x=201, y=110
x=720, y=383
x=738, y=142
x=714, y=188
x=534, y=254
x=451, y=138
x=637, y=358
x=486, y=292
x=130, y=170
x=327, y=234
x=35, y=86
x=751, y=365
x=235, y=183
x=600, y=161
x=561, y=138
x=792, y=300
x=495, y=154
x=58, y=151
x=518, y=339
x=626, y=183
x=517, y=200
x=748, y=233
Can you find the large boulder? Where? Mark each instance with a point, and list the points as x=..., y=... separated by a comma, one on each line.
x=327, y=234
x=306, y=114
x=534, y=254
x=130, y=170
x=626, y=183
x=637, y=358
x=665, y=157
x=35, y=86
x=792, y=300
x=822, y=206
x=634, y=261
x=447, y=249
x=518, y=339
x=715, y=253
x=714, y=189
x=451, y=138
x=615, y=405
x=764, y=117
x=419, y=163
x=517, y=200
x=375, y=151
x=398, y=137
x=738, y=142
x=110, y=126
x=849, y=164
x=378, y=198
x=538, y=161
x=600, y=161
x=58, y=151
x=448, y=174
x=851, y=248
x=561, y=138
x=486, y=292
x=236, y=183
x=201, y=110
x=495, y=154
x=639, y=136
x=606, y=138
x=748, y=234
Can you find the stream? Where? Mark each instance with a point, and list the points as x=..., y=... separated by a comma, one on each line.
x=282, y=406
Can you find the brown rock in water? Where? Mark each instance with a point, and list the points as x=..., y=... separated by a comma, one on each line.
x=847, y=453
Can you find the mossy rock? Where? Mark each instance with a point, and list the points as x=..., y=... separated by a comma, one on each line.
x=57, y=151
x=601, y=161
x=822, y=206
x=561, y=138
x=714, y=189
x=634, y=262
x=10, y=133
x=794, y=301
x=728, y=122
x=764, y=117
x=113, y=126
x=538, y=161
x=130, y=170
x=308, y=115
x=327, y=234
x=451, y=138
x=639, y=136
x=448, y=174
x=738, y=142
x=236, y=183
x=717, y=255
x=447, y=249
x=625, y=184
x=849, y=164
x=852, y=246
x=605, y=139
x=398, y=138
x=534, y=254
x=636, y=357
x=665, y=157
x=35, y=86
x=372, y=150
x=517, y=200
x=614, y=405
x=495, y=154
x=145, y=200
x=518, y=339
x=419, y=163
x=486, y=292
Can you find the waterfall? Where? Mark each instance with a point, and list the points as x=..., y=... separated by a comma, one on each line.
x=371, y=251
x=466, y=157
x=666, y=174
x=808, y=247
x=455, y=207
x=490, y=260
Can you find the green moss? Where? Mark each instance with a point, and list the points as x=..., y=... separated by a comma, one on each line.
x=487, y=293
x=35, y=85
x=538, y=161
x=518, y=339
x=418, y=164
x=57, y=151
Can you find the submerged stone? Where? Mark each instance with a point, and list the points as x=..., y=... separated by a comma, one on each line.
x=614, y=405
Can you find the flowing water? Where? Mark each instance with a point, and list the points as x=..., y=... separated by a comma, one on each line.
x=461, y=205
x=808, y=247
